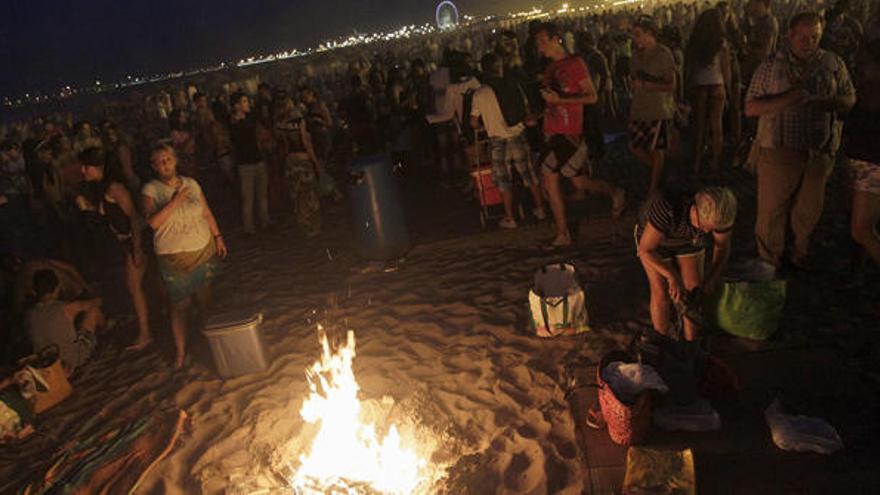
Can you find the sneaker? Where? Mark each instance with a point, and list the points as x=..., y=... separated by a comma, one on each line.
x=540, y=214
x=507, y=223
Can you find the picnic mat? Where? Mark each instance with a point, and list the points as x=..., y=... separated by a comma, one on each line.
x=110, y=461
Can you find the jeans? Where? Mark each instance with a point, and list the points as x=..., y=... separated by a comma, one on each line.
x=254, y=187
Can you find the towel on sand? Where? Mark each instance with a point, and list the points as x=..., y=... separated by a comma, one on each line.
x=114, y=460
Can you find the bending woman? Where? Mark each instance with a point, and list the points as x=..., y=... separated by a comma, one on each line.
x=110, y=198
x=671, y=239
x=187, y=240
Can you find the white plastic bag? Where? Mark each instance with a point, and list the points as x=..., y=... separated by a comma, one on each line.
x=801, y=433
x=629, y=380
x=697, y=416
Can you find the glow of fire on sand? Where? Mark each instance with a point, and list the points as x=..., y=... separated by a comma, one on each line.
x=346, y=456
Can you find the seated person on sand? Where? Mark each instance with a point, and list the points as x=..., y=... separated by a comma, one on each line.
x=71, y=283
x=70, y=325
x=671, y=242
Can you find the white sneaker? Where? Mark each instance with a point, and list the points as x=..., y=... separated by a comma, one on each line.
x=507, y=223
x=539, y=213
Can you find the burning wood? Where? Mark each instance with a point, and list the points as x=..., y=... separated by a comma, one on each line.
x=348, y=456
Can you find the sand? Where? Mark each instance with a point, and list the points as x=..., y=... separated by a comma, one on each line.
x=443, y=348
x=443, y=351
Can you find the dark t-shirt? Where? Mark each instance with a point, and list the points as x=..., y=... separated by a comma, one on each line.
x=243, y=134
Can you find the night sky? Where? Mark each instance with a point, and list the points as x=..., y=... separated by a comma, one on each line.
x=50, y=43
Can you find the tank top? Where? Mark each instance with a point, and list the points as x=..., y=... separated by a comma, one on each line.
x=117, y=219
x=709, y=75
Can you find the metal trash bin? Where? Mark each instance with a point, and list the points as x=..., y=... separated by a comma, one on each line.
x=379, y=222
x=237, y=346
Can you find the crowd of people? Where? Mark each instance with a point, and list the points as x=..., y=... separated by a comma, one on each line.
x=790, y=86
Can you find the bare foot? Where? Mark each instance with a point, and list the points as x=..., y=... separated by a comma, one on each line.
x=560, y=241
x=180, y=362
x=140, y=345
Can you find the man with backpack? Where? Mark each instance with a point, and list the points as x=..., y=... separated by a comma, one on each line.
x=501, y=105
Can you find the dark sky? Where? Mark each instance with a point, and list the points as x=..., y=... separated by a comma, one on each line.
x=49, y=43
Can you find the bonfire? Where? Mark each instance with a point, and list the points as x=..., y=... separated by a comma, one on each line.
x=348, y=455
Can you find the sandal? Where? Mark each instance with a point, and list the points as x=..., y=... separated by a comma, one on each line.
x=595, y=420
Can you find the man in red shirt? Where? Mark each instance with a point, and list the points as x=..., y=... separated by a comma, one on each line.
x=567, y=87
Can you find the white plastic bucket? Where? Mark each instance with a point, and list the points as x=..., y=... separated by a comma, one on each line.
x=237, y=346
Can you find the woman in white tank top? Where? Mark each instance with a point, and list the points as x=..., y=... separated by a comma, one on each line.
x=707, y=74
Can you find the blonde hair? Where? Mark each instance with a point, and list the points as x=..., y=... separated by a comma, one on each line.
x=716, y=206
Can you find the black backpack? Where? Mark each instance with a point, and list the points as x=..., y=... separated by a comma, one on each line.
x=511, y=99
x=467, y=103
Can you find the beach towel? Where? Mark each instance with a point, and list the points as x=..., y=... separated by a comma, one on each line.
x=110, y=461
x=185, y=273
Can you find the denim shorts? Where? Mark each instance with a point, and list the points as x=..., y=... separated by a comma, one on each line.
x=511, y=153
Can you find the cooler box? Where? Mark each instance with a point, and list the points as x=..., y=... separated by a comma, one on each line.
x=379, y=223
x=485, y=189
x=237, y=346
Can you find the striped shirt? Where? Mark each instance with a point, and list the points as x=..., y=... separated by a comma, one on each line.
x=670, y=213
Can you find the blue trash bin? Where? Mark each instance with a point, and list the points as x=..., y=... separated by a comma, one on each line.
x=377, y=210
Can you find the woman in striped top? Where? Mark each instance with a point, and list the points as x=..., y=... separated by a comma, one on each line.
x=671, y=239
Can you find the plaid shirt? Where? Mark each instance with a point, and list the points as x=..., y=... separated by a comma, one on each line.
x=801, y=127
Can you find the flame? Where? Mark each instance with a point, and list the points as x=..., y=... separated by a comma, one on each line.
x=346, y=456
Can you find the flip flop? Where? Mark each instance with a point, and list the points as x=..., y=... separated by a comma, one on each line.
x=594, y=419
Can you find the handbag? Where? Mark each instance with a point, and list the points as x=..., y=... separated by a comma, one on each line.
x=43, y=380
x=557, y=302
x=628, y=424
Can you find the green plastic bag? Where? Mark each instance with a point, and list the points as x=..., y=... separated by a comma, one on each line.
x=749, y=309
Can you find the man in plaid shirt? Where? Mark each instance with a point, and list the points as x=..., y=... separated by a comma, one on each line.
x=798, y=95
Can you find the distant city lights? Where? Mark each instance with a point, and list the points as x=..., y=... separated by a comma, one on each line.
x=406, y=32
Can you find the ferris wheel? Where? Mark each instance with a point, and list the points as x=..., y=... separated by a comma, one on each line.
x=446, y=15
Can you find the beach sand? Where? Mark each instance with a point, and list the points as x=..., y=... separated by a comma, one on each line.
x=443, y=350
